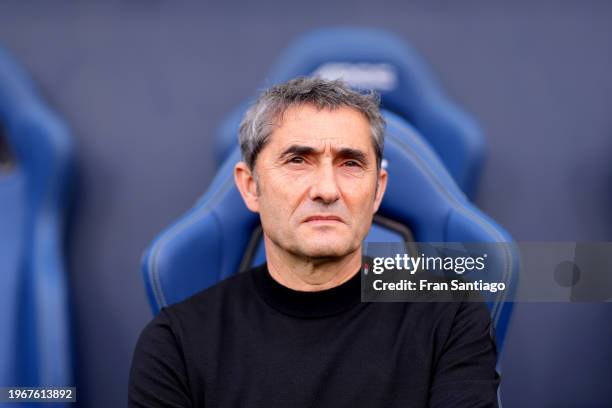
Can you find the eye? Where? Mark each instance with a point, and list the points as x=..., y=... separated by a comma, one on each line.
x=352, y=163
x=296, y=160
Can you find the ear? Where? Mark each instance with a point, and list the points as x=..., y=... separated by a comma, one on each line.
x=381, y=188
x=245, y=181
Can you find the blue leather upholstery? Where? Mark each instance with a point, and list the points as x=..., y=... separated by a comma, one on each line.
x=369, y=58
x=207, y=244
x=35, y=344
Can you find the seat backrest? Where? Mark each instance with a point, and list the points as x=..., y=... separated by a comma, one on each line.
x=209, y=243
x=35, y=181
x=376, y=59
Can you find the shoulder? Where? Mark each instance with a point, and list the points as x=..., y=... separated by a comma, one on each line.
x=231, y=286
x=213, y=302
x=452, y=310
x=205, y=309
x=454, y=318
x=443, y=324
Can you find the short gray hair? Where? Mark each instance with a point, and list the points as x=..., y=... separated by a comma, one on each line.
x=263, y=116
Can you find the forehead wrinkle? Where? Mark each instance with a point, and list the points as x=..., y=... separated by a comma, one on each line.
x=299, y=128
x=335, y=144
x=341, y=151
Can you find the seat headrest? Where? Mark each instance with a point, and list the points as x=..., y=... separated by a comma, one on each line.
x=375, y=59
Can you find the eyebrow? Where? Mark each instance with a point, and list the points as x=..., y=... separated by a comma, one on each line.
x=297, y=150
x=345, y=152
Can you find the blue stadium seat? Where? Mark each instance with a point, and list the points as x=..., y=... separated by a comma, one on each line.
x=376, y=59
x=36, y=164
x=209, y=242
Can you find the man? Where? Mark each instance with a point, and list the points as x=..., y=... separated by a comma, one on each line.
x=293, y=332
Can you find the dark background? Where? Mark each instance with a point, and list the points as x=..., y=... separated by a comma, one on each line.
x=143, y=85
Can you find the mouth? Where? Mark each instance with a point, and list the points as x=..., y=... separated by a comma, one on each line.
x=323, y=219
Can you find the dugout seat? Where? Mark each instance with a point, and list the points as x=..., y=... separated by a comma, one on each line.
x=219, y=236
x=36, y=167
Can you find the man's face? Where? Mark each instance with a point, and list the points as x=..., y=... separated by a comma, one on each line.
x=317, y=182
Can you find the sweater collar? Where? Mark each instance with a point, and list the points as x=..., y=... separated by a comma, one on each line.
x=307, y=304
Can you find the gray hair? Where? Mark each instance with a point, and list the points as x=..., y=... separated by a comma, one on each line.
x=263, y=116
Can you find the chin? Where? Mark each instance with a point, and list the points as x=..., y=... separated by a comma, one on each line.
x=327, y=250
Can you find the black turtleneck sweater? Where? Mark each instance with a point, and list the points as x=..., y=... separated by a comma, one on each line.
x=251, y=342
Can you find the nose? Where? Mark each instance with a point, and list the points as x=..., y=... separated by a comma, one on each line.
x=325, y=187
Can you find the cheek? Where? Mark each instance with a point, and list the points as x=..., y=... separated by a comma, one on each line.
x=361, y=189
x=295, y=181
x=280, y=198
x=359, y=198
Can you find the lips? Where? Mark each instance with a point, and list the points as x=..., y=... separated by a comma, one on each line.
x=323, y=218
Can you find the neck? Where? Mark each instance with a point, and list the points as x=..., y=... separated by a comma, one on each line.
x=310, y=274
